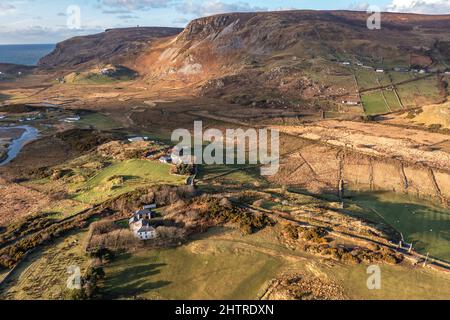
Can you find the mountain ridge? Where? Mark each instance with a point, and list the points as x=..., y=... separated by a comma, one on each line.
x=293, y=57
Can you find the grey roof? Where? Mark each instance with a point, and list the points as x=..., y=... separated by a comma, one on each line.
x=133, y=219
x=143, y=211
x=146, y=229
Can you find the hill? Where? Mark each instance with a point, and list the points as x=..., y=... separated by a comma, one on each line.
x=113, y=46
x=296, y=59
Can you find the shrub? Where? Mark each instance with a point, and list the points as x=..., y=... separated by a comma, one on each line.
x=291, y=231
x=435, y=127
x=183, y=169
x=247, y=221
x=316, y=235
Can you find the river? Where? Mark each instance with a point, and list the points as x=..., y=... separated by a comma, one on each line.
x=17, y=144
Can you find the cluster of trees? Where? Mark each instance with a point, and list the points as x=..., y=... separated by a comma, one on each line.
x=83, y=140
x=161, y=195
x=10, y=255
x=183, y=169
x=107, y=235
x=225, y=213
x=317, y=243
x=26, y=226
x=315, y=235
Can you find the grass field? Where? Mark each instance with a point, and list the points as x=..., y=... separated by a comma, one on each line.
x=366, y=78
x=220, y=264
x=134, y=173
x=400, y=76
x=209, y=268
x=373, y=103
x=98, y=121
x=419, y=93
x=43, y=275
x=420, y=222
x=392, y=100
x=224, y=265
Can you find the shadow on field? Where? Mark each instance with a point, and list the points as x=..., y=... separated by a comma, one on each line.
x=134, y=281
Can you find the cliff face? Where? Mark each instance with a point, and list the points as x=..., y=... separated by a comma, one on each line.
x=114, y=46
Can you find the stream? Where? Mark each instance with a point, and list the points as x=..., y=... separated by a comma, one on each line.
x=16, y=145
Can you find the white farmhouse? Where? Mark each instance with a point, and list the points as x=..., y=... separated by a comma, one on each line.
x=143, y=230
x=137, y=139
x=72, y=119
x=140, y=225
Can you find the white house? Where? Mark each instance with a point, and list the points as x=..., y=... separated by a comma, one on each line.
x=137, y=139
x=143, y=230
x=140, y=225
x=350, y=103
x=147, y=233
x=107, y=71
x=145, y=214
x=72, y=119
x=380, y=70
x=401, y=69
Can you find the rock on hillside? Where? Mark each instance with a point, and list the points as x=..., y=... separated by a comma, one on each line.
x=114, y=46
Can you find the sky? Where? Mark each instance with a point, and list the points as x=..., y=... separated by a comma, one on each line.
x=51, y=21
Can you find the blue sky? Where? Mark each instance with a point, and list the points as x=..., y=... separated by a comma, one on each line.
x=45, y=21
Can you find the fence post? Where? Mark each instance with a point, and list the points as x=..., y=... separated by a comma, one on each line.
x=426, y=259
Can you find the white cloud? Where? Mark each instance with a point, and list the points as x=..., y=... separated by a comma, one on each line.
x=211, y=7
x=38, y=34
x=6, y=8
x=359, y=6
x=420, y=6
x=136, y=4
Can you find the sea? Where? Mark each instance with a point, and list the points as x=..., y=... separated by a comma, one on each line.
x=24, y=54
